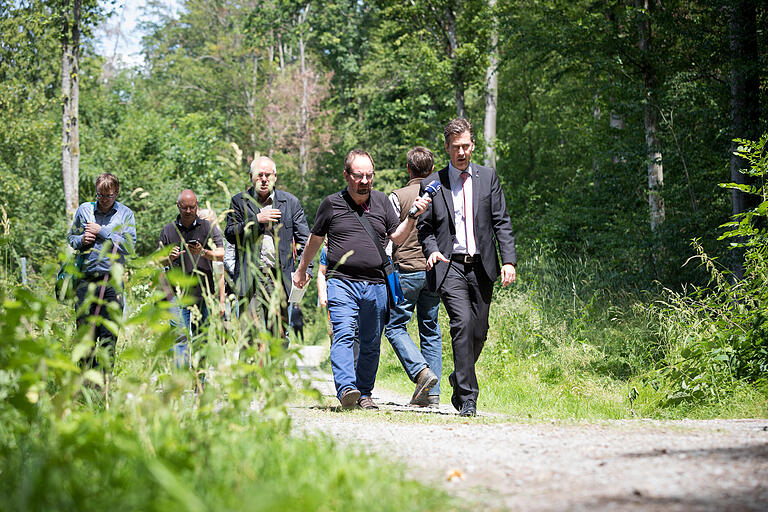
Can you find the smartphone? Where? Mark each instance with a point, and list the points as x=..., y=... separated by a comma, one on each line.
x=193, y=242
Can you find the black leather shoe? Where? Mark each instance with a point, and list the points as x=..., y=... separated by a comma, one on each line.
x=455, y=400
x=469, y=408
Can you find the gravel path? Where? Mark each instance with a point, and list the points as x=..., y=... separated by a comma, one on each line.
x=501, y=463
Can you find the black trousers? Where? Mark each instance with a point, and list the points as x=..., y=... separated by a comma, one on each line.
x=466, y=294
x=102, y=336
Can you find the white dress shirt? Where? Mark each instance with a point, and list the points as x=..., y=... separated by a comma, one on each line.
x=462, y=192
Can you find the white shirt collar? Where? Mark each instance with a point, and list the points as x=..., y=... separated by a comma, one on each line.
x=456, y=172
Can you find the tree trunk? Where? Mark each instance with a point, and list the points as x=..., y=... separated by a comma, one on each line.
x=745, y=103
x=650, y=118
x=304, y=111
x=70, y=92
x=491, y=97
x=250, y=98
x=528, y=137
x=458, y=83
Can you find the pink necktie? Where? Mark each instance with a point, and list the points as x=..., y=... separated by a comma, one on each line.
x=469, y=225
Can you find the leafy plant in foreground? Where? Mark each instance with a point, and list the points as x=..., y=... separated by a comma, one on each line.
x=723, y=328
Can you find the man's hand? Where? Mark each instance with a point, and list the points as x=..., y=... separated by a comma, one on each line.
x=91, y=230
x=268, y=215
x=300, y=278
x=93, y=227
x=421, y=203
x=175, y=253
x=322, y=298
x=434, y=258
x=508, y=274
x=196, y=249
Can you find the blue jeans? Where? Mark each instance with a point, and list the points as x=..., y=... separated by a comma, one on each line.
x=363, y=305
x=427, y=305
x=182, y=317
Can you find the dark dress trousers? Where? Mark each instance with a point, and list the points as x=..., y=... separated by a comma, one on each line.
x=243, y=230
x=466, y=288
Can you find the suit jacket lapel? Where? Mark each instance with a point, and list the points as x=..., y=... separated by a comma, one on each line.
x=279, y=202
x=445, y=189
x=250, y=204
x=475, y=195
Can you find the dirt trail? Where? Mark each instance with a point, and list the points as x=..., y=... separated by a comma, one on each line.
x=642, y=465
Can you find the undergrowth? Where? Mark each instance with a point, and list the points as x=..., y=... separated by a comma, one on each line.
x=155, y=441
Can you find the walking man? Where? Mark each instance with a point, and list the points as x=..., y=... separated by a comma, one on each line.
x=99, y=231
x=459, y=233
x=196, y=245
x=422, y=366
x=262, y=224
x=357, y=292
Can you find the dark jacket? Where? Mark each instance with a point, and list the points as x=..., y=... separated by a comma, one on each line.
x=244, y=231
x=491, y=221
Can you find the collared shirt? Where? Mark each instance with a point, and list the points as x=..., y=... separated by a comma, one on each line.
x=175, y=233
x=118, y=228
x=459, y=192
x=267, y=251
x=352, y=254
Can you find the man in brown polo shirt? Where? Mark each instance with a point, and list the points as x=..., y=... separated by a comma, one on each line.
x=422, y=366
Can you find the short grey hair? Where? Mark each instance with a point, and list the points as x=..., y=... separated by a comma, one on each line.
x=258, y=160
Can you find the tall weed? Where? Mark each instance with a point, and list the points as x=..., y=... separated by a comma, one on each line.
x=719, y=334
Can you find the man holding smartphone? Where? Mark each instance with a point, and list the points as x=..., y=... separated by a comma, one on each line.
x=196, y=243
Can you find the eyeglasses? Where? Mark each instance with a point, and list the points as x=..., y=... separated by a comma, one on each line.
x=186, y=208
x=359, y=177
x=106, y=196
x=264, y=175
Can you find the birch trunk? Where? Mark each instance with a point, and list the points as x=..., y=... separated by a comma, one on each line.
x=655, y=168
x=491, y=98
x=70, y=92
x=304, y=110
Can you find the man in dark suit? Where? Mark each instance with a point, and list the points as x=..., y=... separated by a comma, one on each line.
x=459, y=234
x=263, y=224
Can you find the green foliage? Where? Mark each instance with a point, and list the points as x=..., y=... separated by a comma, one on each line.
x=724, y=342
x=149, y=442
x=222, y=82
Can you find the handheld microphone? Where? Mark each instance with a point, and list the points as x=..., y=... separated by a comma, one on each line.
x=429, y=191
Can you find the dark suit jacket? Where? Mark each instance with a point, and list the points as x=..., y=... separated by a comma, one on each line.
x=244, y=231
x=491, y=221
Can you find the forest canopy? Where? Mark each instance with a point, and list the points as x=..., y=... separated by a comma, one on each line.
x=613, y=119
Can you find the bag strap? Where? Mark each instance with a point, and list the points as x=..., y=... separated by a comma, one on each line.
x=385, y=261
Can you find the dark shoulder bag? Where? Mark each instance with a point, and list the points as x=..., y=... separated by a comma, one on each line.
x=68, y=277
